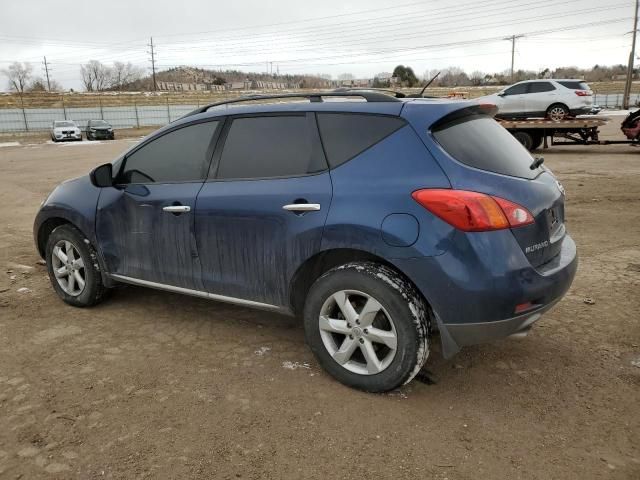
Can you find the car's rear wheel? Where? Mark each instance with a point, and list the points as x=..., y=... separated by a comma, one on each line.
x=367, y=326
x=557, y=111
x=72, y=266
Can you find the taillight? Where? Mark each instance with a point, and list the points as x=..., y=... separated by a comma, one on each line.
x=583, y=93
x=473, y=211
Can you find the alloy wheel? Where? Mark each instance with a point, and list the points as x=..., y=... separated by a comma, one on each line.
x=68, y=268
x=557, y=113
x=358, y=332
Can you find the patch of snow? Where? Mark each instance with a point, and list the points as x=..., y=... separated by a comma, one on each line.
x=295, y=365
x=636, y=362
x=609, y=113
x=9, y=144
x=262, y=350
x=24, y=290
x=77, y=144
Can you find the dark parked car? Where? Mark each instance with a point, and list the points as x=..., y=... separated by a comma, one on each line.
x=99, y=130
x=376, y=222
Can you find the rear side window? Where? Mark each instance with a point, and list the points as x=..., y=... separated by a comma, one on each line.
x=272, y=146
x=177, y=156
x=345, y=135
x=539, y=87
x=480, y=142
x=516, y=89
x=574, y=85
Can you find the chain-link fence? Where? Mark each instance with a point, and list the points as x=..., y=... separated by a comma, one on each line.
x=40, y=119
x=36, y=114
x=615, y=100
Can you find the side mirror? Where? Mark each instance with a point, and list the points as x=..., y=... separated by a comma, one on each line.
x=102, y=176
x=501, y=94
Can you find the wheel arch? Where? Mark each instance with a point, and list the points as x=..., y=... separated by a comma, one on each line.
x=323, y=261
x=45, y=229
x=48, y=225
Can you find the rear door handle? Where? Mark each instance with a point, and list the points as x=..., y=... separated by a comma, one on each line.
x=302, y=207
x=177, y=208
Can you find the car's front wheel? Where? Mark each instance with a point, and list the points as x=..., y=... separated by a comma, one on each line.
x=367, y=326
x=73, y=268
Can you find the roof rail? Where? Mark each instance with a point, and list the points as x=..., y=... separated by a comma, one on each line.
x=369, y=96
x=353, y=90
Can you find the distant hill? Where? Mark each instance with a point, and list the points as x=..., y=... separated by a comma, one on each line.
x=192, y=75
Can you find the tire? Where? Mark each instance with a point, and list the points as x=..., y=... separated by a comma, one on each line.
x=525, y=138
x=537, y=141
x=397, y=310
x=65, y=238
x=557, y=111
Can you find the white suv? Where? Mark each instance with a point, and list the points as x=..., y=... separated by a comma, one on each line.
x=65, y=130
x=552, y=98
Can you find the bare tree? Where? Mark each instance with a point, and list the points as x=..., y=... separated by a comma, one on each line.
x=123, y=74
x=39, y=84
x=19, y=75
x=477, y=77
x=95, y=76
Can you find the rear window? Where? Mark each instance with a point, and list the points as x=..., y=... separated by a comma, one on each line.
x=574, y=85
x=480, y=142
x=345, y=135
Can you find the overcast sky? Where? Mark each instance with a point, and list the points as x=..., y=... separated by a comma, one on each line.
x=361, y=37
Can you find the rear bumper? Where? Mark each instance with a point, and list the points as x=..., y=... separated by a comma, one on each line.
x=464, y=334
x=580, y=111
x=475, y=286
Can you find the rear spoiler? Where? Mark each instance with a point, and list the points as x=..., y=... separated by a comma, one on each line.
x=485, y=109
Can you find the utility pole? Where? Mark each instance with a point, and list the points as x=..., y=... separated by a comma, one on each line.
x=512, y=39
x=153, y=64
x=46, y=72
x=632, y=56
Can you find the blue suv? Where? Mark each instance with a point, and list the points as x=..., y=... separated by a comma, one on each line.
x=377, y=221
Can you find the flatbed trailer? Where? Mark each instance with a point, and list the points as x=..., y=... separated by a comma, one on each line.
x=573, y=131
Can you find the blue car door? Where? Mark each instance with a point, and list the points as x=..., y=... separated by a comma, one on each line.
x=145, y=224
x=262, y=211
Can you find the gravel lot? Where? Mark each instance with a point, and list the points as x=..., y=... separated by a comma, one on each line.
x=156, y=385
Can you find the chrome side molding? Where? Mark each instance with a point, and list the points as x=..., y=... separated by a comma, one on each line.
x=199, y=293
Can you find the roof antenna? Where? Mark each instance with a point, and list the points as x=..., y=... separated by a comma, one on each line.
x=421, y=94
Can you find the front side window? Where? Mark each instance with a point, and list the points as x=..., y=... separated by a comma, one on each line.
x=178, y=156
x=539, y=87
x=516, y=89
x=267, y=147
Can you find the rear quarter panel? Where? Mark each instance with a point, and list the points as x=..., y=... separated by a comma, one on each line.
x=378, y=183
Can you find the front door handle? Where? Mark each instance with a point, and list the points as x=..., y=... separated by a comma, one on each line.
x=302, y=207
x=177, y=208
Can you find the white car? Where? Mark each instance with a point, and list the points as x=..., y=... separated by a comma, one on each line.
x=65, y=130
x=555, y=99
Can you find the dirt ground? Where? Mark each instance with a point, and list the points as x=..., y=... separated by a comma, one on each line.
x=156, y=385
